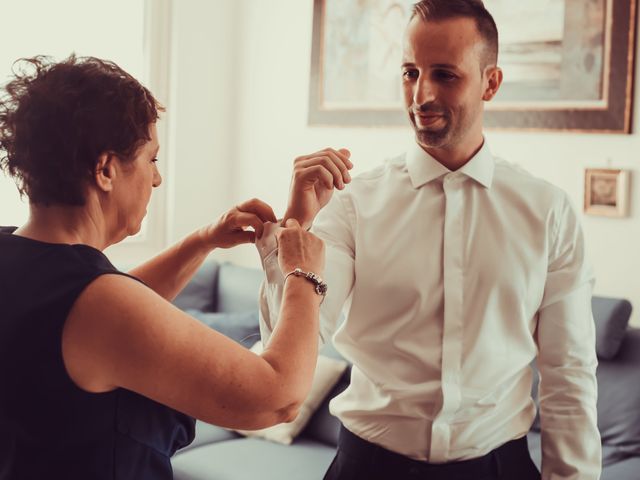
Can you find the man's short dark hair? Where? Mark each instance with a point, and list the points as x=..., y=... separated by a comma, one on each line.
x=57, y=118
x=435, y=10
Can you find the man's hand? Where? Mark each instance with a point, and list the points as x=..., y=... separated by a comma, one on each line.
x=314, y=177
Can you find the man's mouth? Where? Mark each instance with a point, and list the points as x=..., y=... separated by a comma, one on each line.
x=428, y=119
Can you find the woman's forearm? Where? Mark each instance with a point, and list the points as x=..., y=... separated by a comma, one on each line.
x=168, y=272
x=293, y=348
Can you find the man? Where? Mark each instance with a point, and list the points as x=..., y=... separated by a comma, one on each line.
x=456, y=271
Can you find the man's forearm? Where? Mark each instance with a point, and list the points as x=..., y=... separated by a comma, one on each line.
x=571, y=446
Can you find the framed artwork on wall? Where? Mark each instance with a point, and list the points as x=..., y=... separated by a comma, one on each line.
x=568, y=64
x=606, y=192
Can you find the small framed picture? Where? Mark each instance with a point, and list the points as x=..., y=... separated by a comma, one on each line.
x=606, y=192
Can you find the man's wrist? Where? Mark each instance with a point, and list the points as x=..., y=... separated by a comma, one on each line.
x=304, y=222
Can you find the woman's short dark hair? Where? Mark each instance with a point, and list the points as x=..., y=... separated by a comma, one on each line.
x=435, y=10
x=57, y=118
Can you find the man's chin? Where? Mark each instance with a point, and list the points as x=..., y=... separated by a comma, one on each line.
x=435, y=137
x=432, y=138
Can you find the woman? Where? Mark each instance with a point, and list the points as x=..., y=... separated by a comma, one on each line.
x=100, y=374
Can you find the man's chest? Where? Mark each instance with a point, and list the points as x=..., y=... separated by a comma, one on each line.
x=433, y=243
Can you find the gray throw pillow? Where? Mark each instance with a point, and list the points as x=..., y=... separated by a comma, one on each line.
x=239, y=326
x=619, y=400
x=199, y=293
x=611, y=316
x=238, y=288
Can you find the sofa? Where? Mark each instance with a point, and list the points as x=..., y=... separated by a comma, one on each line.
x=224, y=296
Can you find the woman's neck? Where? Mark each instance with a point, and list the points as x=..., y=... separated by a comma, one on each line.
x=65, y=224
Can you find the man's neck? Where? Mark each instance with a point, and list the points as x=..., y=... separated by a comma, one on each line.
x=457, y=157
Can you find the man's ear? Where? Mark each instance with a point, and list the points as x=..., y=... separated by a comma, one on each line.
x=494, y=80
x=105, y=171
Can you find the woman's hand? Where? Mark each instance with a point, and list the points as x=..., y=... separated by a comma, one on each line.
x=232, y=227
x=298, y=248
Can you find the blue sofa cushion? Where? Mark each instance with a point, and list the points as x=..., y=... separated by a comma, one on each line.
x=200, y=292
x=625, y=470
x=254, y=458
x=238, y=288
x=611, y=316
x=242, y=327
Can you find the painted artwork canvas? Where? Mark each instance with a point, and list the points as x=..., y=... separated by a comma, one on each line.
x=551, y=51
x=568, y=64
x=363, y=39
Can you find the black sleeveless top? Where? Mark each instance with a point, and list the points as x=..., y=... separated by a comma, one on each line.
x=49, y=427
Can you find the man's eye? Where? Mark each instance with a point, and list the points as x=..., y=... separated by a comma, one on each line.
x=154, y=160
x=444, y=75
x=410, y=74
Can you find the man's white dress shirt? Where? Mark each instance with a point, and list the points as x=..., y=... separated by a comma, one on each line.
x=452, y=283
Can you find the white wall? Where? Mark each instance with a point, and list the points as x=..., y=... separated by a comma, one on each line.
x=201, y=114
x=198, y=44
x=271, y=129
x=25, y=35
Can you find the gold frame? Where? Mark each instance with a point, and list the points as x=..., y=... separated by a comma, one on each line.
x=619, y=207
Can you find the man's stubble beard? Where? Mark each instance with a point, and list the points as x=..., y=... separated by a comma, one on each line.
x=433, y=138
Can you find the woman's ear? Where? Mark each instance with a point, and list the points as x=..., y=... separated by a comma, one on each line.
x=105, y=172
x=494, y=80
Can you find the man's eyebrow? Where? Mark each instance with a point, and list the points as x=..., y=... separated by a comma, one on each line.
x=449, y=66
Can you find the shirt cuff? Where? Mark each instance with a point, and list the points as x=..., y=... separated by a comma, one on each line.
x=267, y=247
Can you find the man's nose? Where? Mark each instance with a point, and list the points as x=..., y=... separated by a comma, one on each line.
x=424, y=92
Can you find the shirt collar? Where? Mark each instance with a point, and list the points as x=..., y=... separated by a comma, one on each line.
x=423, y=168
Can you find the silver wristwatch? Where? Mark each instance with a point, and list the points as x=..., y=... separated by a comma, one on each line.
x=320, y=285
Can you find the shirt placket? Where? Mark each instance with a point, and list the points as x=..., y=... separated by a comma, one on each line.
x=453, y=318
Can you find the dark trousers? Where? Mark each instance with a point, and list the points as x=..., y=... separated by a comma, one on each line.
x=358, y=459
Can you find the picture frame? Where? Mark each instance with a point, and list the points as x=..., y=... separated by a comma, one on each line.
x=572, y=75
x=606, y=192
